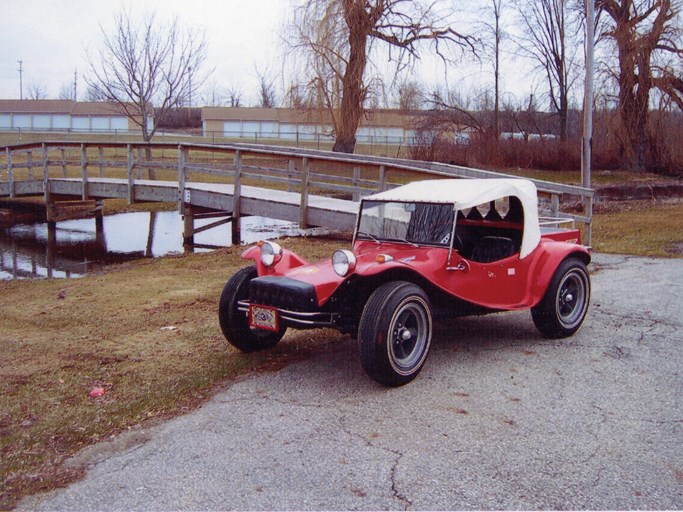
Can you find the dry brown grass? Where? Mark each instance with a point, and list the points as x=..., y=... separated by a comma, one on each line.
x=640, y=228
x=147, y=332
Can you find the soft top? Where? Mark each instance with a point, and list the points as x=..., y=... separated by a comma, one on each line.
x=466, y=193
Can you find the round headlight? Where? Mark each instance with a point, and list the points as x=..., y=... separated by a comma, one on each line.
x=343, y=262
x=271, y=253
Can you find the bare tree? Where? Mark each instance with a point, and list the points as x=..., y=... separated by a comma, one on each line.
x=94, y=94
x=453, y=112
x=337, y=38
x=37, y=91
x=234, y=97
x=493, y=43
x=147, y=64
x=296, y=97
x=647, y=37
x=212, y=96
x=410, y=96
x=552, y=42
x=66, y=91
x=266, y=91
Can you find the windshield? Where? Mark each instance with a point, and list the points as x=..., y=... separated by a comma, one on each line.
x=419, y=223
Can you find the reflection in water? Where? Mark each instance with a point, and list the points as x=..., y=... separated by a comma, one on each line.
x=28, y=251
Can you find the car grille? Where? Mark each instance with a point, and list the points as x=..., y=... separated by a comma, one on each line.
x=283, y=293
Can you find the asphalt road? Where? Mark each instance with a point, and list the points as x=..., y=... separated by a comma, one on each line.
x=498, y=419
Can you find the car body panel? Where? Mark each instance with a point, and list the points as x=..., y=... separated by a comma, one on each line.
x=517, y=281
x=508, y=284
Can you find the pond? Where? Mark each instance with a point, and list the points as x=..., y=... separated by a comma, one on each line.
x=27, y=251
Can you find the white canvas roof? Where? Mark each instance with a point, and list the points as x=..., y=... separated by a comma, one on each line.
x=466, y=193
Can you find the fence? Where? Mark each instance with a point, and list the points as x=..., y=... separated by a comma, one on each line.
x=305, y=171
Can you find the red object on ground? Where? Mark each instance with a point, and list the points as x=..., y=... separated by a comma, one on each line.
x=97, y=392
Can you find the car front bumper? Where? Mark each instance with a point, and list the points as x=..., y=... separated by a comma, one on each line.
x=297, y=319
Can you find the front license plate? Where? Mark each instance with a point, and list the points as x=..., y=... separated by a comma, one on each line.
x=263, y=317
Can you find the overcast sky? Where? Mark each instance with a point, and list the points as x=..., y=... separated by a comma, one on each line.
x=50, y=37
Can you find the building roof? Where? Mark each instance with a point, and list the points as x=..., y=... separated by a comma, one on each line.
x=36, y=106
x=64, y=107
x=466, y=193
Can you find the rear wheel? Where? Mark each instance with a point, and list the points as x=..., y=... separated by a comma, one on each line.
x=395, y=333
x=235, y=323
x=564, y=306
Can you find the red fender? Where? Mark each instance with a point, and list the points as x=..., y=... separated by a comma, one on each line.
x=288, y=261
x=552, y=254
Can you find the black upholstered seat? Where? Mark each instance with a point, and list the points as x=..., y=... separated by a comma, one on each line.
x=493, y=248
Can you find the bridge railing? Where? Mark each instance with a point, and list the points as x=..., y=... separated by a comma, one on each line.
x=25, y=170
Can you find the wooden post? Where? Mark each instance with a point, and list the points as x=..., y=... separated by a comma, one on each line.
x=139, y=163
x=131, y=193
x=382, y=178
x=182, y=158
x=30, y=164
x=10, y=172
x=555, y=205
x=188, y=225
x=587, y=232
x=303, y=211
x=84, y=172
x=46, y=176
x=292, y=170
x=237, y=196
x=100, y=152
x=356, y=177
x=99, y=225
x=64, y=168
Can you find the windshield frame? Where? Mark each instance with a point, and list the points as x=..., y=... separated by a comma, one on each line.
x=361, y=235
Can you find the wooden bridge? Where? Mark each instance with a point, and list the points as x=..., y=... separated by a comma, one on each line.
x=226, y=182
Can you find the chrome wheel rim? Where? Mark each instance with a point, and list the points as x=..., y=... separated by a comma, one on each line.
x=409, y=336
x=571, y=298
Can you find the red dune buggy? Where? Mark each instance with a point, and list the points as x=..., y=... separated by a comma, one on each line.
x=423, y=250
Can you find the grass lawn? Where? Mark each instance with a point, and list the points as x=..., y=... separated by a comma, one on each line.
x=147, y=332
x=641, y=228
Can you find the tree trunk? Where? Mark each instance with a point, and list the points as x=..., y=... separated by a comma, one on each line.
x=564, y=116
x=353, y=92
x=634, y=95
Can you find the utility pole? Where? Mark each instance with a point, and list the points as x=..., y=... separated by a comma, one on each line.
x=75, y=84
x=21, y=80
x=587, y=141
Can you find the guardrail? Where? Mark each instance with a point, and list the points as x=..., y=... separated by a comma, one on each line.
x=299, y=170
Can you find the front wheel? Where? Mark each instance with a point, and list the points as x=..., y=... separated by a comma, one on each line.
x=395, y=333
x=564, y=306
x=235, y=323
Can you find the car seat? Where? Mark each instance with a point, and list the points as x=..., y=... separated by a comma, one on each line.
x=493, y=248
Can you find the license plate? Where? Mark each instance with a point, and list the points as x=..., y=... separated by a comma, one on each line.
x=264, y=317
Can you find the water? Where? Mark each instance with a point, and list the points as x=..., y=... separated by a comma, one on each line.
x=26, y=252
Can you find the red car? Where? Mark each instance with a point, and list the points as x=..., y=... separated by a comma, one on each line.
x=423, y=250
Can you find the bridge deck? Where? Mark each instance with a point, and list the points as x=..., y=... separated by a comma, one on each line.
x=322, y=211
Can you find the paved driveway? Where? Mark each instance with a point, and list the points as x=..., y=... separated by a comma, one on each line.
x=498, y=419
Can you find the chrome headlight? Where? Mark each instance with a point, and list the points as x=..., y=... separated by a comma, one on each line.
x=271, y=253
x=343, y=262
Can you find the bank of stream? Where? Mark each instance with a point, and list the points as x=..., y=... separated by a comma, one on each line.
x=78, y=247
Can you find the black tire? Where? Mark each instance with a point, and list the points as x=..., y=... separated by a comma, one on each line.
x=395, y=333
x=235, y=324
x=564, y=306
